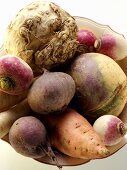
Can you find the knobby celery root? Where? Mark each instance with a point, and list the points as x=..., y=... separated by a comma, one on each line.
x=73, y=135
x=42, y=34
x=7, y=118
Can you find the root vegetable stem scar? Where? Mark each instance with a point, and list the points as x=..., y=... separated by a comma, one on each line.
x=7, y=83
x=122, y=129
x=97, y=44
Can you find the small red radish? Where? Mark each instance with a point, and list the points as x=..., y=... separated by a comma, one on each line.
x=110, y=128
x=15, y=75
x=112, y=45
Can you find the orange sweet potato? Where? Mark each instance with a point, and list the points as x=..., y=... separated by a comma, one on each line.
x=73, y=135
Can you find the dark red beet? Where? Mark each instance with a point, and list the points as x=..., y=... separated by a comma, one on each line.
x=28, y=136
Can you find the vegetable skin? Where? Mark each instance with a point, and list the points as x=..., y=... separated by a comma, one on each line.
x=101, y=85
x=7, y=100
x=8, y=117
x=73, y=135
x=15, y=75
x=51, y=92
x=42, y=34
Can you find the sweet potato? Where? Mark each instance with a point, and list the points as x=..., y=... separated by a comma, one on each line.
x=73, y=135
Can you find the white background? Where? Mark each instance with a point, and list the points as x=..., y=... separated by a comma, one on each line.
x=109, y=12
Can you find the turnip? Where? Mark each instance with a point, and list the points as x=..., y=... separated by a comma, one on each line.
x=51, y=92
x=112, y=45
x=28, y=136
x=110, y=128
x=15, y=75
x=86, y=38
x=101, y=85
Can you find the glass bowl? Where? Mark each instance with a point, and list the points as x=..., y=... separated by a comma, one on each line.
x=65, y=160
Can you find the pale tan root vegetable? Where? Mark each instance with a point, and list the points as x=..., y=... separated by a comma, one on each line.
x=7, y=100
x=73, y=135
x=7, y=118
x=42, y=34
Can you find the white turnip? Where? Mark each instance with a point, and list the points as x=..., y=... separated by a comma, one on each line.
x=110, y=128
x=15, y=75
x=112, y=45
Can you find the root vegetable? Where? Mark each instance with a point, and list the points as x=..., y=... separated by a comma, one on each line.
x=15, y=75
x=101, y=85
x=86, y=40
x=42, y=34
x=73, y=135
x=7, y=118
x=112, y=46
x=28, y=136
x=108, y=40
x=51, y=92
x=110, y=128
x=7, y=100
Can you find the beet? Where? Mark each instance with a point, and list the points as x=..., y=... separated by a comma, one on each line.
x=51, y=92
x=29, y=137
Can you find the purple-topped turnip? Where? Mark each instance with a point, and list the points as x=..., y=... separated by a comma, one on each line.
x=101, y=85
x=110, y=128
x=15, y=75
x=86, y=40
x=112, y=45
